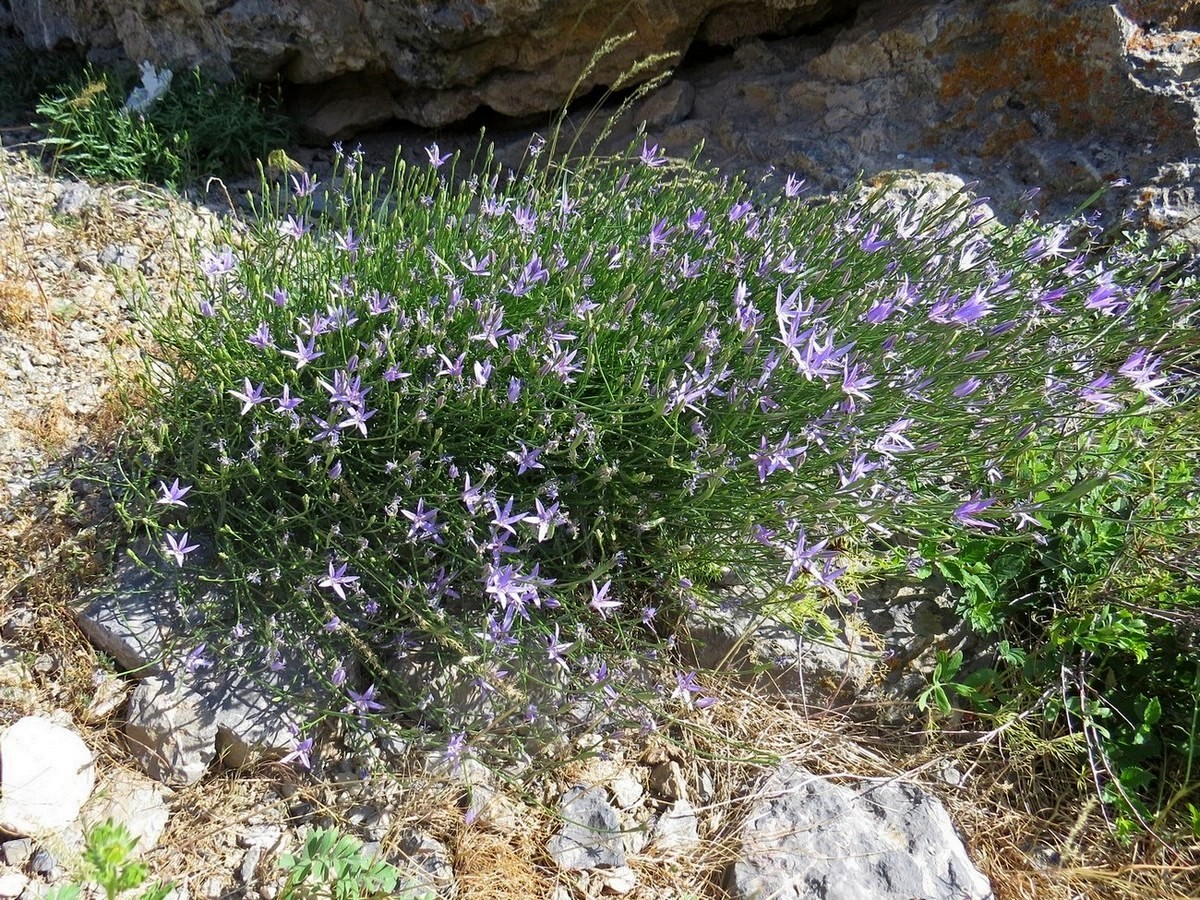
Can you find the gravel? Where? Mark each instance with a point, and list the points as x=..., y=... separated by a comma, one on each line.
x=71, y=257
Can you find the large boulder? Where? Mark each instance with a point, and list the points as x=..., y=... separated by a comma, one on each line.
x=437, y=61
x=807, y=837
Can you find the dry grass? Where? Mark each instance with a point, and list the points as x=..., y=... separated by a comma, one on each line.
x=17, y=301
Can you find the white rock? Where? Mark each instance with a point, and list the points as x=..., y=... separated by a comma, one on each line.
x=133, y=800
x=12, y=884
x=109, y=692
x=676, y=830
x=620, y=881
x=46, y=775
x=626, y=790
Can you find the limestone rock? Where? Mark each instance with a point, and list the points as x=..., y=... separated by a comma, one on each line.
x=626, y=789
x=108, y=694
x=170, y=731
x=590, y=837
x=434, y=63
x=814, y=668
x=669, y=105
x=12, y=885
x=142, y=623
x=666, y=780
x=676, y=830
x=807, y=837
x=425, y=867
x=46, y=775
x=132, y=800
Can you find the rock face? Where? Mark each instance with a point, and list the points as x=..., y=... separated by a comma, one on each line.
x=436, y=62
x=807, y=837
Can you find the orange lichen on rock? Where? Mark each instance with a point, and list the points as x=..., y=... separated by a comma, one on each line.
x=1043, y=62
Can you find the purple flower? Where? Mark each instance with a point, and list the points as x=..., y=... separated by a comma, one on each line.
x=771, y=458
x=545, y=519
x=303, y=354
x=561, y=363
x=856, y=382
x=357, y=418
x=1141, y=369
x=173, y=495
x=344, y=390
x=363, y=703
x=966, y=513
x=337, y=579
x=286, y=402
x=974, y=309
x=249, y=396
x=472, y=495
x=555, y=648
x=477, y=266
x=793, y=187
x=761, y=534
x=1105, y=298
x=967, y=388
x=1053, y=246
x=650, y=157
x=803, y=555
x=483, y=371
x=436, y=158
x=1096, y=393
x=690, y=692
x=452, y=368
x=505, y=519
x=527, y=458
x=294, y=228
x=261, y=339
x=300, y=753
x=424, y=522
x=197, y=659
x=348, y=242
x=600, y=602
x=178, y=547
x=304, y=186
x=215, y=265
x=659, y=235
x=491, y=328
x=454, y=751
x=514, y=389
x=871, y=242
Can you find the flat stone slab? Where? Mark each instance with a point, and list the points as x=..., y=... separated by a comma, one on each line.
x=144, y=623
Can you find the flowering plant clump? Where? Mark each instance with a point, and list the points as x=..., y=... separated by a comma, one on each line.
x=519, y=421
